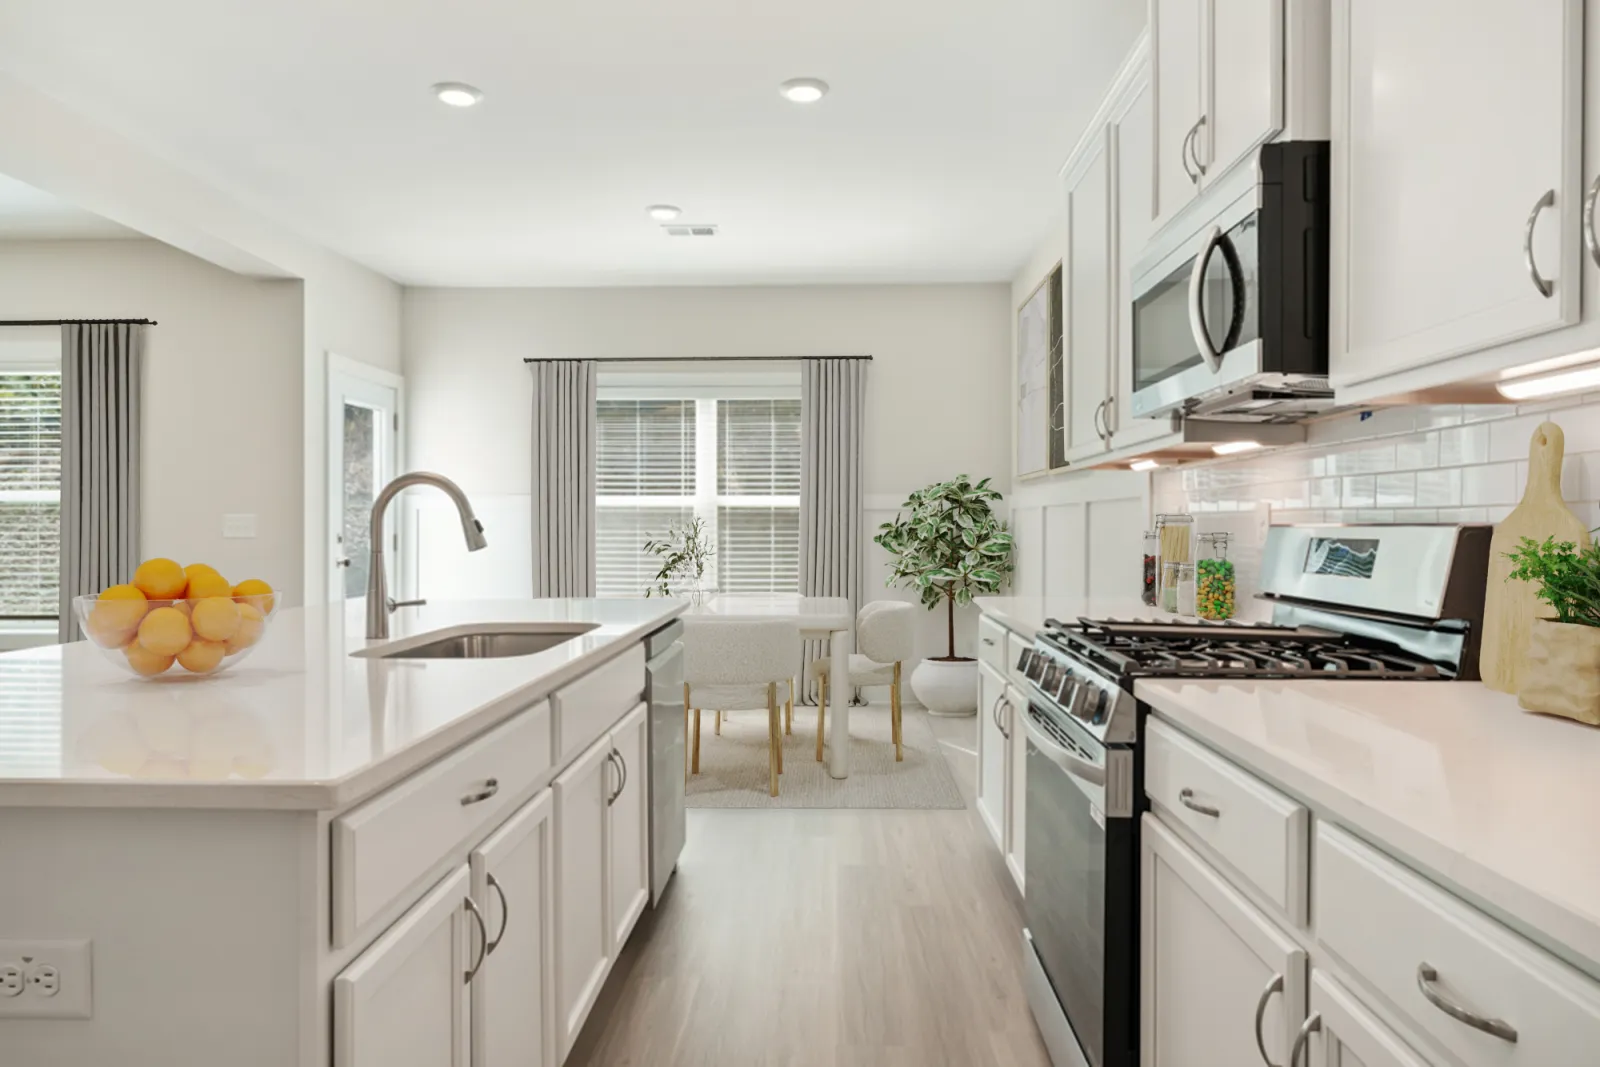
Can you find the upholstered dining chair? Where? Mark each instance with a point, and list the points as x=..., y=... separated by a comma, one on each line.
x=731, y=666
x=886, y=633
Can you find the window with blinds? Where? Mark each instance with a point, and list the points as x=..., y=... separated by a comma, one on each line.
x=732, y=463
x=30, y=494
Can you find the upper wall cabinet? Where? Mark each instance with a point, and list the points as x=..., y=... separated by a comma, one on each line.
x=1089, y=290
x=1457, y=182
x=1039, y=403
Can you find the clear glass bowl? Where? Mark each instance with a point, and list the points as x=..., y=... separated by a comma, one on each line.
x=175, y=638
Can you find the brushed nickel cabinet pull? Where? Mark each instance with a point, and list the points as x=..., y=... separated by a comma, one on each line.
x=490, y=788
x=505, y=914
x=483, y=938
x=1301, y=1039
x=1427, y=977
x=1274, y=986
x=1540, y=282
x=1186, y=798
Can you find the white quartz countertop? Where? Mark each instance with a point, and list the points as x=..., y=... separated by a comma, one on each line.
x=1451, y=778
x=300, y=724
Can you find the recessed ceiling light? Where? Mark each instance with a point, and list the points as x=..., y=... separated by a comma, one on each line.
x=663, y=212
x=1230, y=448
x=803, y=90
x=457, y=94
x=1143, y=465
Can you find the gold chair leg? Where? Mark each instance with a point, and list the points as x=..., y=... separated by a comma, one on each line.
x=822, y=713
x=774, y=749
x=788, y=710
x=719, y=724
x=686, y=731
x=894, y=713
x=696, y=766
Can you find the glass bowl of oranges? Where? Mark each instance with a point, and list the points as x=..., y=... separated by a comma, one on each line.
x=172, y=620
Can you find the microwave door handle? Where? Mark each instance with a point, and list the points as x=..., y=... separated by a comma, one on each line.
x=1197, y=307
x=1073, y=765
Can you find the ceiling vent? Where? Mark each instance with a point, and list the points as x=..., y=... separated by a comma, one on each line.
x=677, y=229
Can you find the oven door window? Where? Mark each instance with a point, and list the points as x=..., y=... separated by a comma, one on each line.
x=1167, y=333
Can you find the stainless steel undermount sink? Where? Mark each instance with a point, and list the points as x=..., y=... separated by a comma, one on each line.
x=489, y=641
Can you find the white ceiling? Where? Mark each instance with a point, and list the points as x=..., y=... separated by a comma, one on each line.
x=934, y=158
x=27, y=213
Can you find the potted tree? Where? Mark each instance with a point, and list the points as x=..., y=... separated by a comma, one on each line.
x=949, y=546
x=1564, y=652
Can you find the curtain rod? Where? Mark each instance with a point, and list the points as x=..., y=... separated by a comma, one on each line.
x=685, y=359
x=78, y=322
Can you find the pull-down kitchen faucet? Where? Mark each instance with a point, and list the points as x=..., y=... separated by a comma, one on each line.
x=378, y=603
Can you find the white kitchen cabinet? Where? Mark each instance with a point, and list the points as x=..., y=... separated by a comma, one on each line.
x=1242, y=81
x=513, y=994
x=1443, y=244
x=1089, y=291
x=1211, y=966
x=1175, y=46
x=993, y=753
x=628, y=833
x=1015, y=707
x=582, y=848
x=403, y=1002
x=1346, y=1034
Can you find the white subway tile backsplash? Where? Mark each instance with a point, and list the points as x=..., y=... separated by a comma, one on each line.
x=1499, y=514
x=1437, y=416
x=1397, y=490
x=1416, y=452
x=1494, y=483
x=1416, y=515
x=1461, y=446
x=1325, y=493
x=1581, y=427
x=1360, y=491
x=1508, y=438
x=1463, y=515
x=1439, y=488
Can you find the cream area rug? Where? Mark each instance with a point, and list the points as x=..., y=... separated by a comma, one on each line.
x=733, y=767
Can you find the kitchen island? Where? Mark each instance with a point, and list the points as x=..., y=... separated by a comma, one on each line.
x=323, y=855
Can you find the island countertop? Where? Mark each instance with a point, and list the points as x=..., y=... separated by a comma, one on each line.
x=300, y=724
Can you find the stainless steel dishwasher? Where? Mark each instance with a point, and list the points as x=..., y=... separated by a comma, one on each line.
x=663, y=689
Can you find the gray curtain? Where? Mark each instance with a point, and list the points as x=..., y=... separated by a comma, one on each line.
x=563, y=478
x=101, y=365
x=832, y=421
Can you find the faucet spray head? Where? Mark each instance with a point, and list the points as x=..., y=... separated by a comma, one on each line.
x=474, y=531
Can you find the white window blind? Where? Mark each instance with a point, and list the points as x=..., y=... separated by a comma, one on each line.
x=30, y=494
x=732, y=463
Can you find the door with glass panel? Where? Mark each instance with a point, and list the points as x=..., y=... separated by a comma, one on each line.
x=363, y=455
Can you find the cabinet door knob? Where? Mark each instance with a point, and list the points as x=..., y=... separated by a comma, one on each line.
x=1274, y=986
x=1540, y=282
x=483, y=938
x=1426, y=979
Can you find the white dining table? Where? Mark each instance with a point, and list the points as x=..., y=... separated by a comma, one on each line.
x=817, y=618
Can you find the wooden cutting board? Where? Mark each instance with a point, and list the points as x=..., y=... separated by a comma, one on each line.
x=1510, y=607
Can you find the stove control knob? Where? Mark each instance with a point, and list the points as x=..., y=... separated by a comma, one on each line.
x=1082, y=706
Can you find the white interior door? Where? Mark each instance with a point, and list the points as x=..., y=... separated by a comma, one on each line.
x=363, y=454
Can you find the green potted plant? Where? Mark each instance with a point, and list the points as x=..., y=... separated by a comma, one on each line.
x=1563, y=676
x=949, y=545
x=685, y=553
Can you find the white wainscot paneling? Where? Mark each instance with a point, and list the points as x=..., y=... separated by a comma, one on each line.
x=1116, y=547
x=1067, y=560
x=1028, y=525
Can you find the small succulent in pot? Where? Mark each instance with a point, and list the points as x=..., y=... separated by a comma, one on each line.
x=1564, y=652
x=685, y=553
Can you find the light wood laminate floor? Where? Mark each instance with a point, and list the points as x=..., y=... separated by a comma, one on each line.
x=826, y=939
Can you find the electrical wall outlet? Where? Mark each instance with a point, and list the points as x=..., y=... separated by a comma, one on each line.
x=52, y=979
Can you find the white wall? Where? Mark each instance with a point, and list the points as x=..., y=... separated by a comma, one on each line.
x=222, y=391
x=937, y=388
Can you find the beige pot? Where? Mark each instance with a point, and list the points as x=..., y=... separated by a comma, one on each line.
x=1563, y=675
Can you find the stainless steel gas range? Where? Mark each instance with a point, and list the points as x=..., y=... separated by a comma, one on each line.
x=1396, y=602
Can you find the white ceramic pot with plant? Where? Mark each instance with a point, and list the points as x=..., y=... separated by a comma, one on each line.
x=1563, y=674
x=949, y=546
x=685, y=553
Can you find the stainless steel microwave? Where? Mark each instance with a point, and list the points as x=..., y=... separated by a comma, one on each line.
x=1230, y=314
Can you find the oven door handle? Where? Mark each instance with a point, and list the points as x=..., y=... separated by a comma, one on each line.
x=1197, y=307
x=1074, y=765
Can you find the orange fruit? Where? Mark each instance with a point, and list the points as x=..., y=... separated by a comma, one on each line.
x=160, y=579
x=198, y=568
x=145, y=662
x=251, y=623
x=115, y=615
x=165, y=632
x=215, y=619
x=202, y=656
x=181, y=605
x=259, y=591
x=208, y=583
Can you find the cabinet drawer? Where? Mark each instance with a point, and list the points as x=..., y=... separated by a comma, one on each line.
x=1254, y=828
x=382, y=847
x=992, y=644
x=592, y=705
x=1015, y=646
x=1388, y=923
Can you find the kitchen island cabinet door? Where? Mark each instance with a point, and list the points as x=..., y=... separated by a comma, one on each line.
x=1211, y=965
x=513, y=994
x=629, y=833
x=583, y=931
x=403, y=1002
x=993, y=753
x=1346, y=1034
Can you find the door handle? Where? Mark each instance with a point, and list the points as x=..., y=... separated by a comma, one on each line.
x=1427, y=977
x=1301, y=1039
x=1197, y=306
x=483, y=938
x=1540, y=282
x=342, y=561
x=1589, y=236
x=505, y=916
x=1186, y=798
x=1194, y=146
x=1274, y=986
x=611, y=759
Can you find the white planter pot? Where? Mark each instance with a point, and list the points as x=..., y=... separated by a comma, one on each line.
x=946, y=687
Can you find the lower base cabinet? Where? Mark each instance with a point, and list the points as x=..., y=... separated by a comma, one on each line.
x=993, y=755
x=1221, y=985
x=403, y=1002
x=513, y=994
x=1340, y=1032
